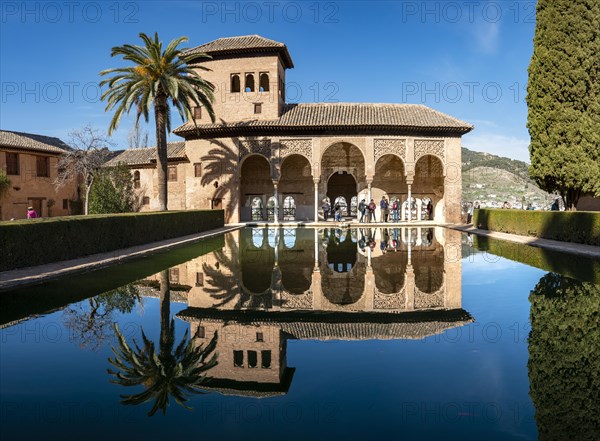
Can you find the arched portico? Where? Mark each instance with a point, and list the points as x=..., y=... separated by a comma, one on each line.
x=255, y=184
x=342, y=173
x=296, y=182
x=429, y=184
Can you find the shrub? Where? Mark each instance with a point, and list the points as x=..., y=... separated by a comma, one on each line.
x=39, y=241
x=566, y=226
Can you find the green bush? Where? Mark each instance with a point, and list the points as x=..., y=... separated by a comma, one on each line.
x=39, y=241
x=566, y=226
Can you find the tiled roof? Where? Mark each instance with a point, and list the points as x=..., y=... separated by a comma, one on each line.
x=147, y=156
x=340, y=116
x=321, y=325
x=243, y=44
x=31, y=141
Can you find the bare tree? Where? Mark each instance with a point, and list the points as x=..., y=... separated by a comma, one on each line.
x=137, y=139
x=89, y=152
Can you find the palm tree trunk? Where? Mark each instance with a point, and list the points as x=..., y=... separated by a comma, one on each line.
x=165, y=308
x=160, y=115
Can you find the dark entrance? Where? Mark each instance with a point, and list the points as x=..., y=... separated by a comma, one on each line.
x=342, y=185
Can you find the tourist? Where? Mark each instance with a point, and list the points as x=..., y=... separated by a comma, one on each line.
x=429, y=209
x=470, y=213
x=31, y=214
x=395, y=209
x=362, y=208
x=555, y=206
x=326, y=207
x=372, y=208
x=384, y=208
x=337, y=212
x=505, y=204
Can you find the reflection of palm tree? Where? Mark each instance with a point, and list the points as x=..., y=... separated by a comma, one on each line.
x=172, y=372
x=224, y=281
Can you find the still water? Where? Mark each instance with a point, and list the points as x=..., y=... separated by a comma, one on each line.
x=264, y=333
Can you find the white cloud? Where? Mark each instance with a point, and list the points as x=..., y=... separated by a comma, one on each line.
x=487, y=35
x=501, y=145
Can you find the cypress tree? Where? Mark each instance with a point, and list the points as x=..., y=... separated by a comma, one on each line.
x=563, y=98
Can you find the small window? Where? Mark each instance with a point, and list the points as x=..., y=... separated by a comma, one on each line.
x=235, y=83
x=146, y=200
x=249, y=83
x=136, y=179
x=12, y=163
x=174, y=275
x=282, y=89
x=265, y=357
x=201, y=332
x=260, y=336
x=43, y=166
x=198, y=169
x=252, y=359
x=172, y=173
x=197, y=112
x=257, y=107
x=65, y=204
x=199, y=279
x=264, y=82
x=238, y=358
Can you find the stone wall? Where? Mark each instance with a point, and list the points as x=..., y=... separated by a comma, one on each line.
x=27, y=188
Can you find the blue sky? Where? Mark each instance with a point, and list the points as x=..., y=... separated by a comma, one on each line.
x=465, y=58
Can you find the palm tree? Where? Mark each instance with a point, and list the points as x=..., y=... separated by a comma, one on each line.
x=156, y=77
x=175, y=372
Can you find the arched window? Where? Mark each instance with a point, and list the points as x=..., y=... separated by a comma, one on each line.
x=257, y=208
x=353, y=206
x=272, y=210
x=289, y=208
x=264, y=82
x=341, y=201
x=258, y=237
x=136, y=179
x=235, y=83
x=249, y=83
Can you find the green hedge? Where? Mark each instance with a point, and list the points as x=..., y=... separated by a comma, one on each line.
x=566, y=226
x=39, y=241
x=570, y=265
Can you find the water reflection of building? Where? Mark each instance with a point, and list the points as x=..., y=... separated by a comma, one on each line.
x=269, y=285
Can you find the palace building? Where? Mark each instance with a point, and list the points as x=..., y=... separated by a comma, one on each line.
x=265, y=159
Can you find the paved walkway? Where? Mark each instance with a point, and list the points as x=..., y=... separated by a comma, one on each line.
x=555, y=245
x=42, y=273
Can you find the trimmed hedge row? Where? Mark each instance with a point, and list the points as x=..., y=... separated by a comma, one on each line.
x=566, y=226
x=39, y=241
x=569, y=265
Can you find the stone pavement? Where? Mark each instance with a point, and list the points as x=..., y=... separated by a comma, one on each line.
x=555, y=245
x=42, y=273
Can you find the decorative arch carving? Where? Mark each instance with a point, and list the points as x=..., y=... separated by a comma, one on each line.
x=260, y=146
x=390, y=146
x=297, y=301
x=425, y=300
x=296, y=146
x=389, y=301
x=434, y=147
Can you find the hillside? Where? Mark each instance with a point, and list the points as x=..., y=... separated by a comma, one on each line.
x=493, y=179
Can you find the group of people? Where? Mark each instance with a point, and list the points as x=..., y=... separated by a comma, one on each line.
x=390, y=210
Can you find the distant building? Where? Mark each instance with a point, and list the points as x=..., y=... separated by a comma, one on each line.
x=265, y=158
x=30, y=161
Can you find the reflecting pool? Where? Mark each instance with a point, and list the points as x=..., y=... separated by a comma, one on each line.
x=300, y=333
